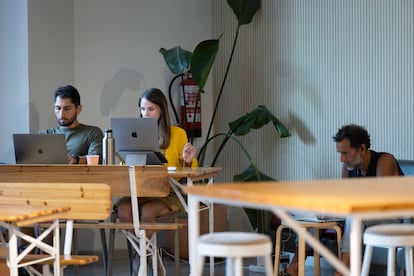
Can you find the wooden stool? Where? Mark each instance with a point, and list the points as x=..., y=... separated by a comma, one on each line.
x=235, y=246
x=316, y=226
x=390, y=236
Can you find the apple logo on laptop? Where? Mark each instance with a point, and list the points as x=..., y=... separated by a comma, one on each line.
x=134, y=134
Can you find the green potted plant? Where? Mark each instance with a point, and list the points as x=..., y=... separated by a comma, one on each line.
x=199, y=63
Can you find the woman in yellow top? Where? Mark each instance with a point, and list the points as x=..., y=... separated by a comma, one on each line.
x=178, y=152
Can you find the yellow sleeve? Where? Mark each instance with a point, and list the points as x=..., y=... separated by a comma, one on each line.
x=174, y=151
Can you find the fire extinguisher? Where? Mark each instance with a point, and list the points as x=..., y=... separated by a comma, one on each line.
x=190, y=107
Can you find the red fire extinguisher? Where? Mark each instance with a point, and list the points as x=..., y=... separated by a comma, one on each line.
x=190, y=107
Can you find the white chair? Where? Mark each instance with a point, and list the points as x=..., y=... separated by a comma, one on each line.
x=391, y=236
x=234, y=246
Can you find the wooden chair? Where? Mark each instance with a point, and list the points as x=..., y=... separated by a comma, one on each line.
x=88, y=201
x=316, y=226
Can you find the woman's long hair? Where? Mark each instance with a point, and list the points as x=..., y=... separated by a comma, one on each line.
x=156, y=96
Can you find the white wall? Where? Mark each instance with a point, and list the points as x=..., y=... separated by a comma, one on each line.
x=14, y=79
x=318, y=65
x=117, y=50
x=51, y=57
x=107, y=49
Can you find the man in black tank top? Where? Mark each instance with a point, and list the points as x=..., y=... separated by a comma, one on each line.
x=358, y=160
x=353, y=144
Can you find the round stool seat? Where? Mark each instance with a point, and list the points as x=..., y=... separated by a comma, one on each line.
x=390, y=236
x=396, y=235
x=234, y=246
x=241, y=244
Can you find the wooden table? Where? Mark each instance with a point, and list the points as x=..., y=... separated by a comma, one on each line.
x=149, y=180
x=358, y=198
x=13, y=216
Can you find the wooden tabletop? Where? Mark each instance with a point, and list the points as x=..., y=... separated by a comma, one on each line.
x=339, y=196
x=27, y=214
x=195, y=174
x=151, y=180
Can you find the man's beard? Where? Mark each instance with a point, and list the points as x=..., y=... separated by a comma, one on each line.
x=355, y=164
x=67, y=123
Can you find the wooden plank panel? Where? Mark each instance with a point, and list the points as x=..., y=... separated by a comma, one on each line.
x=86, y=200
x=116, y=176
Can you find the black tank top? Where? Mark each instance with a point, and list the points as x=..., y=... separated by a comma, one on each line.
x=372, y=168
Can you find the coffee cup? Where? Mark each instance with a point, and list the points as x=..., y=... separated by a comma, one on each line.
x=92, y=159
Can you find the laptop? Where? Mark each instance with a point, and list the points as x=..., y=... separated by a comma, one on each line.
x=32, y=148
x=314, y=217
x=136, y=141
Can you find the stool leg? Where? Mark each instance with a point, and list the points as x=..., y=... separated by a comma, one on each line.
x=268, y=265
x=366, y=263
x=278, y=249
x=391, y=261
x=338, y=239
x=238, y=266
x=409, y=261
x=302, y=256
x=229, y=266
x=316, y=256
x=201, y=262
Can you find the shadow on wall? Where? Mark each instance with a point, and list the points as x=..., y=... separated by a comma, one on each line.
x=298, y=126
x=124, y=80
x=34, y=123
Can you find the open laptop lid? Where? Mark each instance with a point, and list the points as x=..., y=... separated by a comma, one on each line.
x=32, y=148
x=135, y=138
x=313, y=217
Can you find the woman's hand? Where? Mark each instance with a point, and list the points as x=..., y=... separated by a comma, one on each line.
x=189, y=152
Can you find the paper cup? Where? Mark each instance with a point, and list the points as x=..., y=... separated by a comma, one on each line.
x=92, y=159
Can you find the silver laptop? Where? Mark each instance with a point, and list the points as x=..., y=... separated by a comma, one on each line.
x=136, y=140
x=32, y=148
x=313, y=217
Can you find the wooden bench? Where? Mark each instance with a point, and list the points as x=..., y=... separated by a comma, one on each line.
x=107, y=225
x=88, y=201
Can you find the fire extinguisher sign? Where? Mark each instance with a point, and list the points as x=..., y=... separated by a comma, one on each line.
x=189, y=101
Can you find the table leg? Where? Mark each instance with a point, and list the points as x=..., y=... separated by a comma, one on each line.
x=12, y=261
x=193, y=234
x=355, y=245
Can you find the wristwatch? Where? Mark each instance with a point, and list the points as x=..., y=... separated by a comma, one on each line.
x=76, y=158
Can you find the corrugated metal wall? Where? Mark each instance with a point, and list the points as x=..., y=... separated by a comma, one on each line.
x=317, y=65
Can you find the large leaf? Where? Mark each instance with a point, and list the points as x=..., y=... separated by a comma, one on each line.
x=202, y=61
x=177, y=59
x=257, y=118
x=244, y=9
x=250, y=175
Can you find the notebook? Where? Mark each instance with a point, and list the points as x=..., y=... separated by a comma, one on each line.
x=32, y=148
x=314, y=217
x=136, y=141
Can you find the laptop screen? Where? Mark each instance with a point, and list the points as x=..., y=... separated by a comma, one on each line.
x=32, y=148
x=137, y=138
